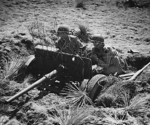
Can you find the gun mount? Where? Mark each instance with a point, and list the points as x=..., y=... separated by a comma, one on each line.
x=40, y=81
x=47, y=60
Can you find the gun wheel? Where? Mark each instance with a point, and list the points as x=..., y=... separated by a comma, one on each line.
x=95, y=85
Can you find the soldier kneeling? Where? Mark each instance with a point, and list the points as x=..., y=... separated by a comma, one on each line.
x=106, y=59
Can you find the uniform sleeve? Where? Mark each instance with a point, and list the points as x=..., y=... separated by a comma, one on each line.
x=79, y=43
x=58, y=44
x=61, y=43
x=112, y=51
x=115, y=60
x=94, y=59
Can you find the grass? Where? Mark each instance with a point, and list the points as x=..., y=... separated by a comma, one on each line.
x=83, y=34
x=9, y=72
x=40, y=35
x=77, y=116
x=76, y=110
x=140, y=104
x=12, y=67
x=76, y=96
x=119, y=94
x=77, y=105
x=117, y=117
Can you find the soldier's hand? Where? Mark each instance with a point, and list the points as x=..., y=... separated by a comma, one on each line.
x=97, y=69
x=94, y=67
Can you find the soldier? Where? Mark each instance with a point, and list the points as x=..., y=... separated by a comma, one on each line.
x=106, y=60
x=68, y=43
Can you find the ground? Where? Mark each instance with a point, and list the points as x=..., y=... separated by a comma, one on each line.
x=126, y=29
x=122, y=28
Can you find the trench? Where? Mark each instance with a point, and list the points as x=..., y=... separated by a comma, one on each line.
x=138, y=60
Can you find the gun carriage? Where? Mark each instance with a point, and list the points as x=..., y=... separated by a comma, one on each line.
x=54, y=68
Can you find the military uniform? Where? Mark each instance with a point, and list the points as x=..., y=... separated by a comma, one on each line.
x=108, y=59
x=68, y=43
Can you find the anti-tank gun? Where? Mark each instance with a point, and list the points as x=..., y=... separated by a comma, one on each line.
x=54, y=68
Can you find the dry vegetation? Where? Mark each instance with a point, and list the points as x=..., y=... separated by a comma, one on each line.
x=31, y=23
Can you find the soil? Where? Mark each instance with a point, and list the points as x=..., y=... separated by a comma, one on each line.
x=126, y=29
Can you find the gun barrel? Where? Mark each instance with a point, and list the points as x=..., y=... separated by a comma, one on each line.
x=47, y=76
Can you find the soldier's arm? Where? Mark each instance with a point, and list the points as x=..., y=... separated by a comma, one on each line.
x=57, y=44
x=98, y=61
x=103, y=64
x=79, y=43
x=111, y=53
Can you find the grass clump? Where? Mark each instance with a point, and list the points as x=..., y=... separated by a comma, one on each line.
x=119, y=116
x=77, y=116
x=118, y=94
x=12, y=67
x=76, y=96
x=139, y=105
x=40, y=35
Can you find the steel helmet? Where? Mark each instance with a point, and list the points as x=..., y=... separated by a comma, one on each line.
x=63, y=28
x=97, y=37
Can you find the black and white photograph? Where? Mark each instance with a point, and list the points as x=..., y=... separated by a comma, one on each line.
x=74, y=62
